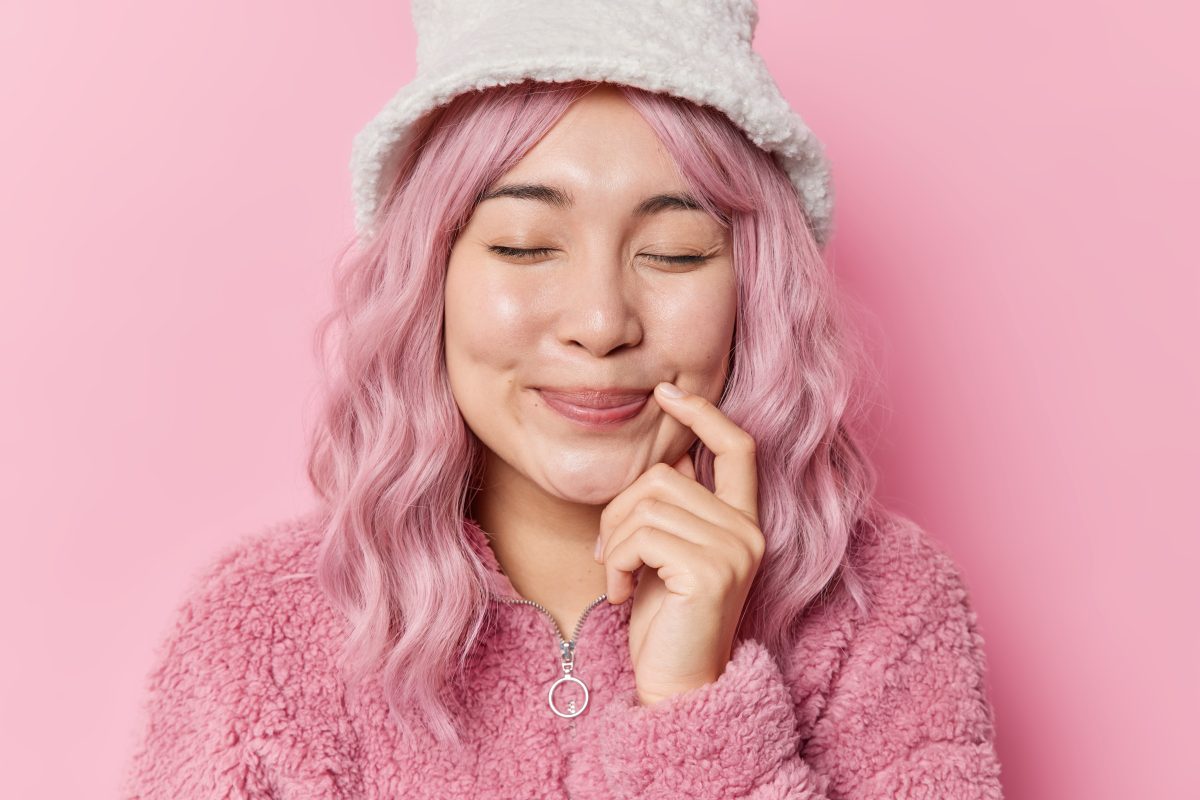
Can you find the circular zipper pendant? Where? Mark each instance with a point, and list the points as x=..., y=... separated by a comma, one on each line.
x=575, y=712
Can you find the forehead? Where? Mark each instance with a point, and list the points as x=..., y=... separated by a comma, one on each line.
x=600, y=146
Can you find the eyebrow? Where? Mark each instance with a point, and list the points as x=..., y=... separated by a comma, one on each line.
x=559, y=198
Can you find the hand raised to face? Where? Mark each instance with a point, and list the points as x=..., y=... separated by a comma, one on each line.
x=702, y=548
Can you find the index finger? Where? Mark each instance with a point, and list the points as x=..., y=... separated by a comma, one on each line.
x=735, y=468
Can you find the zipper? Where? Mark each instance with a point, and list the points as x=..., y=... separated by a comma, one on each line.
x=566, y=655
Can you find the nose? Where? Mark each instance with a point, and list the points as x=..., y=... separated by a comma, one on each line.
x=600, y=308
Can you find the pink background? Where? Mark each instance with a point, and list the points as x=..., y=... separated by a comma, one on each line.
x=1014, y=182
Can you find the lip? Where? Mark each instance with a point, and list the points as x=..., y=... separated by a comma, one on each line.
x=597, y=407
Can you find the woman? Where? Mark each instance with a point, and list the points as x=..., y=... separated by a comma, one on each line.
x=592, y=523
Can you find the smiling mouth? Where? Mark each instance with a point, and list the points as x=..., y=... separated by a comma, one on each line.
x=596, y=409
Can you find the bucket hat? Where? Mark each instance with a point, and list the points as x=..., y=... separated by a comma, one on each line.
x=700, y=50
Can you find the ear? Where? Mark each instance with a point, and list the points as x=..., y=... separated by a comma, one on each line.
x=684, y=464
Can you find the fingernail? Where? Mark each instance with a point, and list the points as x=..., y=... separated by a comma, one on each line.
x=596, y=555
x=670, y=389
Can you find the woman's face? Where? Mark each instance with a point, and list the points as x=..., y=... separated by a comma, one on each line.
x=595, y=306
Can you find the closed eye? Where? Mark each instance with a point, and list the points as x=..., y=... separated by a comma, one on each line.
x=517, y=252
x=534, y=252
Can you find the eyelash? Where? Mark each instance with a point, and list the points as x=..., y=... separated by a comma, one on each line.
x=517, y=252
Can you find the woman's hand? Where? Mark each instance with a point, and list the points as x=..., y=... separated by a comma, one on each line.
x=703, y=548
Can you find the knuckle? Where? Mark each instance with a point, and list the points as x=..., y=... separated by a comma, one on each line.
x=657, y=474
x=747, y=565
x=648, y=507
x=642, y=533
x=742, y=563
x=758, y=548
x=755, y=541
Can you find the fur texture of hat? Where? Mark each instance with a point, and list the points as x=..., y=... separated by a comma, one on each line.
x=700, y=50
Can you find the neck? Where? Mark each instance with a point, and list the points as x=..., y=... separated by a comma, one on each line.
x=543, y=543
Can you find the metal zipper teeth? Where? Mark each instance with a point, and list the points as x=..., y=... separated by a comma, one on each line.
x=549, y=616
x=567, y=648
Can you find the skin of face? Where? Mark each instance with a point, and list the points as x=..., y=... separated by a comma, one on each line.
x=594, y=310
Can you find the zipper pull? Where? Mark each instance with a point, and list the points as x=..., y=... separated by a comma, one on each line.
x=567, y=656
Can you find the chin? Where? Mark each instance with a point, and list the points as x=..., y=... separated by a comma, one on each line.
x=588, y=489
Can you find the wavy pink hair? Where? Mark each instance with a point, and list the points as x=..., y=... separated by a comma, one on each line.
x=393, y=461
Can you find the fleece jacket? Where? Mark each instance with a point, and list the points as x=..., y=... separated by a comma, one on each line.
x=245, y=699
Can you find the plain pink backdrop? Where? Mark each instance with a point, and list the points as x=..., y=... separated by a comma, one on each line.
x=1014, y=183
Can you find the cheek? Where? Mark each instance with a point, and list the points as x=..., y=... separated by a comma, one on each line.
x=697, y=330
x=488, y=326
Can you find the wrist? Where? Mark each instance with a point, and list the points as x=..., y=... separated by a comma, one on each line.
x=651, y=697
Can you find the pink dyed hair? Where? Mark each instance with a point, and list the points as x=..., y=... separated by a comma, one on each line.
x=393, y=461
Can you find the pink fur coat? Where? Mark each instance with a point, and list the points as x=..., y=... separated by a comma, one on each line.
x=245, y=700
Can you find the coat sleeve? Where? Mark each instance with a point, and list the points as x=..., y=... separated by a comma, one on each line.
x=907, y=716
x=198, y=711
x=733, y=738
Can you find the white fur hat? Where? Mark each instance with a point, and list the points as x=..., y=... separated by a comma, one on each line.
x=700, y=50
